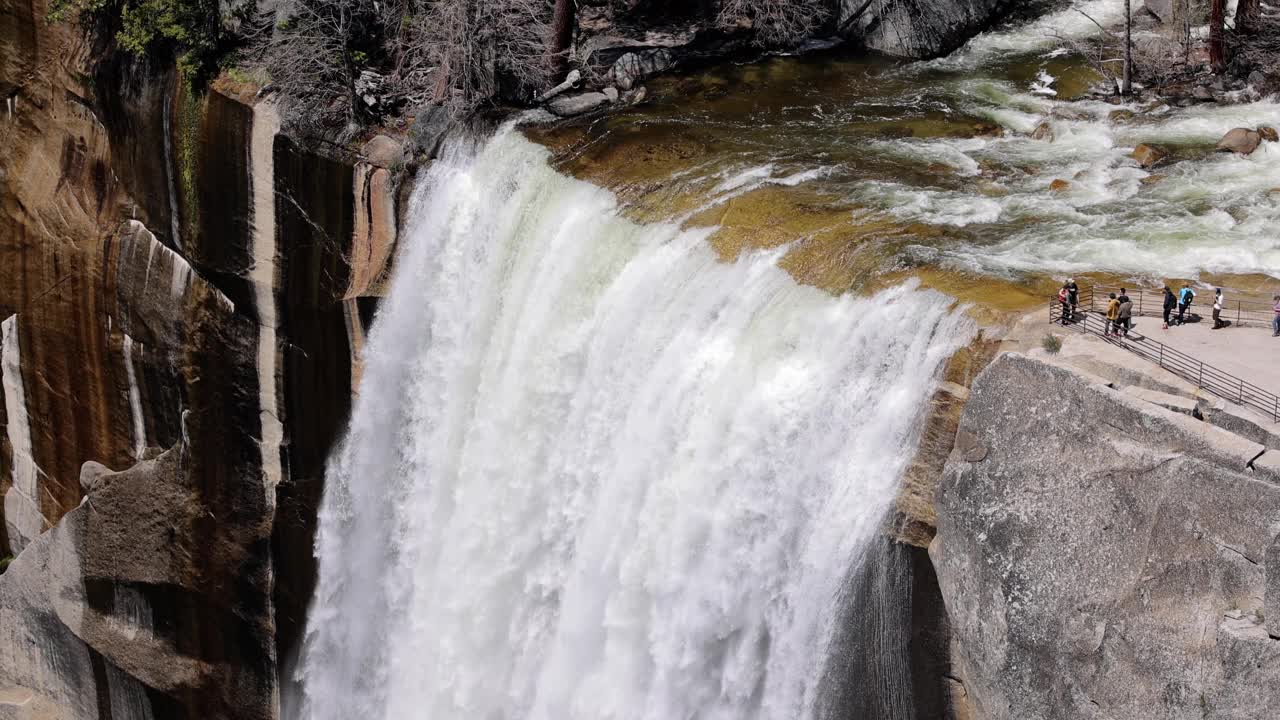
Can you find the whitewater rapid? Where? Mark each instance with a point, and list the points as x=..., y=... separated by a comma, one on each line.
x=594, y=472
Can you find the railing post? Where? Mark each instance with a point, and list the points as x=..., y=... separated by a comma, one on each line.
x=1200, y=377
x=1161, y=363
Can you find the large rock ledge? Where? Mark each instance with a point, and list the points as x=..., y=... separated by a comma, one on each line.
x=1101, y=555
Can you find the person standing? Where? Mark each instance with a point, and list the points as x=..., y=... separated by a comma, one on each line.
x=1170, y=302
x=1064, y=299
x=1124, y=314
x=1275, y=321
x=1113, y=313
x=1217, y=309
x=1073, y=296
x=1184, y=301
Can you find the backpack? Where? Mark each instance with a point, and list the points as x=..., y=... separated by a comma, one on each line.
x=1126, y=310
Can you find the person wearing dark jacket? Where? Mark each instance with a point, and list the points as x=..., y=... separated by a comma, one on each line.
x=1073, y=296
x=1125, y=314
x=1170, y=302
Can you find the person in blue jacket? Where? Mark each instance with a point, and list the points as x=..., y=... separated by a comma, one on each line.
x=1184, y=301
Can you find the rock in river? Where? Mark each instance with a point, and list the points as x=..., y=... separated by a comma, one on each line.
x=570, y=105
x=1239, y=140
x=1149, y=155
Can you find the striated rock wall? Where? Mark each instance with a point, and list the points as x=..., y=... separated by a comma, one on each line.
x=1102, y=556
x=181, y=294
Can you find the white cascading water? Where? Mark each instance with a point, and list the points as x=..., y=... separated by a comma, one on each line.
x=594, y=472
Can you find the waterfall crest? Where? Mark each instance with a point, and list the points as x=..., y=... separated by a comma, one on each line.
x=594, y=472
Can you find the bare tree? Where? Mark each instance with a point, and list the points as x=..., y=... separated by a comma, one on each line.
x=475, y=45
x=777, y=23
x=1217, y=35
x=562, y=23
x=1248, y=15
x=316, y=54
x=1126, y=86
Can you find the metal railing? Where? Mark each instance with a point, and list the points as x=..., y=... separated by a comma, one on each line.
x=1205, y=377
x=1151, y=302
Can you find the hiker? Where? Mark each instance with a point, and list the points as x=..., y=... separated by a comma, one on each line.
x=1170, y=302
x=1113, y=313
x=1184, y=301
x=1217, y=309
x=1275, y=322
x=1064, y=298
x=1073, y=295
x=1124, y=313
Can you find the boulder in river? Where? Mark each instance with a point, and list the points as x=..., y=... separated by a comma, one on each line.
x=1120, y=116
x=1239, y=140
x=1043, y=131
x=1148, y=155
x=1152, y=179
x=1060, y=185
x=1268, y=133
x=577, y=104
x=633, y=67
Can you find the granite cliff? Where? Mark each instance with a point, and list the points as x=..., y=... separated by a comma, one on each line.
x=182, y=294
x=1106, y=545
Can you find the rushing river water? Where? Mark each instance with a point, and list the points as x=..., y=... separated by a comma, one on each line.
x=867, y=167
x=623, y=441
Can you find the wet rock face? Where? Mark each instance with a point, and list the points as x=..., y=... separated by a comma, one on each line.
x=1101, y=556
x=918, y=29
x=131, y=321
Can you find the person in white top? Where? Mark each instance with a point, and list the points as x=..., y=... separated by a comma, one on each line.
x=1218, y=303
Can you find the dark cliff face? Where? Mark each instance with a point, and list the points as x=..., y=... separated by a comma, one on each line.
x=133, y=305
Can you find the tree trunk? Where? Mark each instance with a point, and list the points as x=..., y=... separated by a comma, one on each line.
x=562, y=22
x=1126, y=88
x=1217, y=35
x=1247, y=14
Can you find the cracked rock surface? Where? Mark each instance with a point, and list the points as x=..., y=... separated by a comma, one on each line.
x=1102, y=556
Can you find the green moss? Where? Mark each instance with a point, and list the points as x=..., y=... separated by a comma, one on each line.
x=189, y=113
x=4, y=563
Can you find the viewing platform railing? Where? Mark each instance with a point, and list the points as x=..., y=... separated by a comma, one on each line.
x=1151, y=303
x=1206, y=377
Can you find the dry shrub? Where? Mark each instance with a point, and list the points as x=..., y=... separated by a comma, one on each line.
x=777, y=23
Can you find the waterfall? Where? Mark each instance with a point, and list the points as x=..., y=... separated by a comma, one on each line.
x=594, y=472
